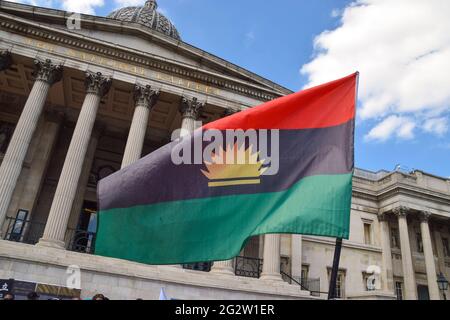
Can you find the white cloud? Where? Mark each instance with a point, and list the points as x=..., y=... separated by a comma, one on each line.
x=80, y=6
x=438, y=126
x=127, y=3
x=401, y=127
x=402, y=50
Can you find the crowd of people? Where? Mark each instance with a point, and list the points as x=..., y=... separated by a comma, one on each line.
x=35, y=296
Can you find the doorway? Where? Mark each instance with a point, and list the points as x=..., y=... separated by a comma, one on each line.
x=84, y=237
x=422, y=292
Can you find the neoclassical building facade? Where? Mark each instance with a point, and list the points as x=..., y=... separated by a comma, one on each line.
x=84, y=96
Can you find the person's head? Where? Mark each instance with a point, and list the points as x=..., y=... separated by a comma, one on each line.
x=9, y=296
x=33, y=296
x=99, y=297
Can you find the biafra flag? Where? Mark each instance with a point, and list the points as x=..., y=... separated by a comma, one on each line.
x=283, y=167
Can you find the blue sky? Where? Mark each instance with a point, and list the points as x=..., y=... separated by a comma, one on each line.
x=401, y=48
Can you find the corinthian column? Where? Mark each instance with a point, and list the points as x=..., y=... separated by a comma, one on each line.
x=386, y=254
x=271, y=263
x=5, y=60
x=45, y=75
x=409, y=276
x=96, y=87
x=145, y=99
x=429, y=257
x=190, y=112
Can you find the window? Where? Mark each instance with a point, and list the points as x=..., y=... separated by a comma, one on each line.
x=399, y=290
x=340, y=283
x=419, y=242
x=368, y=233
x=395, y=243
x=18, y=226
x=305, y=272
x=446, y=246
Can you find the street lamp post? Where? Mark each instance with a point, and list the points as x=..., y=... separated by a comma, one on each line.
x=443, y=284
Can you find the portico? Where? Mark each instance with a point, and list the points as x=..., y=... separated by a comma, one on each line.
x=78, y=105
x=406, y=220
x=98, y=99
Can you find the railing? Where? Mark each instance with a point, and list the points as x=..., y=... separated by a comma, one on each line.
x=29, y=232
x=202, y=266
x=248, y=267
x=81, y=241
x=311, y=285
x=24, y=231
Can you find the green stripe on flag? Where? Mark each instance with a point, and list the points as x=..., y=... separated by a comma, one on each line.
x=214, y=229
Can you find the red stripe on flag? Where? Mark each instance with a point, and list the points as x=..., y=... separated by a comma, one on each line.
x=327, y=105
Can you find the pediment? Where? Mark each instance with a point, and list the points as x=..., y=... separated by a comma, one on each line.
x=137, y=38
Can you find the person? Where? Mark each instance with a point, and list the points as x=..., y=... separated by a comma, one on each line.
x=99, y=296
x=33, y=296
x=9, y=296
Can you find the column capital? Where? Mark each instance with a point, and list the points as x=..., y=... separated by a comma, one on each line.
x=424, y=216
x=191, y=108
x=5, y=59
x=46, y=71
x=97, y=84
x=401, y=211
x=145, y=96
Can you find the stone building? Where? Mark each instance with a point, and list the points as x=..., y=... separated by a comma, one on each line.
x=83, y=96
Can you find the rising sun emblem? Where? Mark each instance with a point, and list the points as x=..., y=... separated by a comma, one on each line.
x=233, y=167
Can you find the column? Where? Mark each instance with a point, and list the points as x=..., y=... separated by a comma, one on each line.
x=96, y=87
x=45, y=74
x=430, y=265
x=145, y=98
x=296, y=256
x=190, y=112
x=409, y=276
x=84, y=180
x=386, y=255
x=224, y=267
x=271, y=263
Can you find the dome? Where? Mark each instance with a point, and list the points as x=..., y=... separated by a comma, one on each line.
x=147, y=16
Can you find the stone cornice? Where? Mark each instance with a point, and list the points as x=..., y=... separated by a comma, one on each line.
x=345, y=244
x=418, y=193
x=403, y=189
x=62, y=37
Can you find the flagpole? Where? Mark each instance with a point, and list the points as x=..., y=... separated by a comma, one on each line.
x=335, y=270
